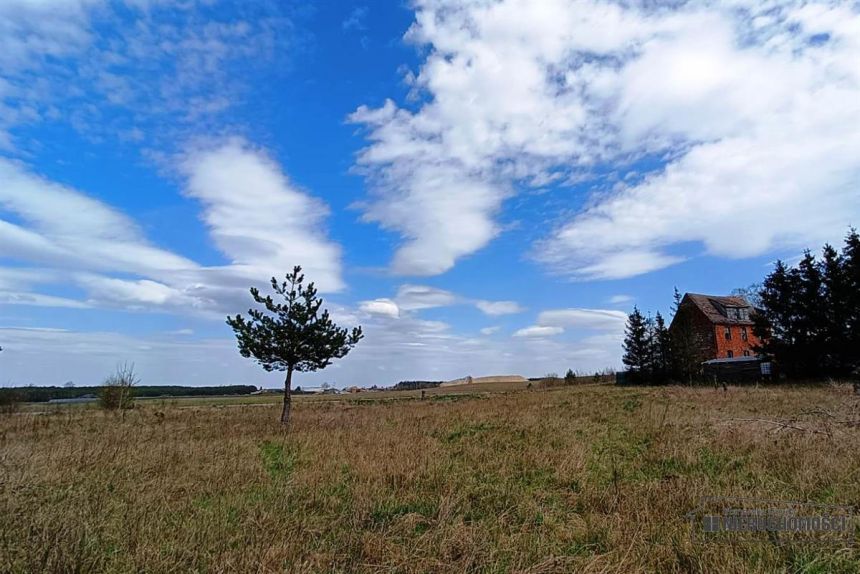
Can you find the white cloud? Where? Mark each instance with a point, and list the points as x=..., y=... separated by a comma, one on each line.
x=496, y=308
x=490, y=330
x=64, y=228
x=382, y=307
x=39, y=300
x=620, y=299
x=755, y=119
x=415, y=297
x=538, y=331
x=257, y=218
x=35, y=29
x=164, y=72
x=600, y=319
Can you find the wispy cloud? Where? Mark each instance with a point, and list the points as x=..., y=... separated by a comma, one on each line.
x=356, y=19
x=538, y=331
x=157, y=71
x=260, y=221
x=411, y=298
x=620, y=299
x=601, y=319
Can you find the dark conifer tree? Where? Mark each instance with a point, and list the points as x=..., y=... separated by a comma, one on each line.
x=637, y=348
x=775, y=321
x=661, y=345
x=834, y=312
x=851, y=270
x=810, y=325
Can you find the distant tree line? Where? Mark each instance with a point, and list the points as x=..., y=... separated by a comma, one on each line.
x=43, y=394
x=809, y=316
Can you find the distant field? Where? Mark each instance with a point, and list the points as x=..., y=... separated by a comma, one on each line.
x=591, y=478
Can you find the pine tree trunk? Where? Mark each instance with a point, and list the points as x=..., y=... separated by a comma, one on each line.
x=285, y=413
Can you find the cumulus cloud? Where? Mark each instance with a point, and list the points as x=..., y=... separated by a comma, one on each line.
x=753, y=107
x=490, y=330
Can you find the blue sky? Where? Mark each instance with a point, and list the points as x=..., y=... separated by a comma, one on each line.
x=486, y=187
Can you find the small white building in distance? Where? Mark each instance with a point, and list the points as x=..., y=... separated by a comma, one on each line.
x=469, y=380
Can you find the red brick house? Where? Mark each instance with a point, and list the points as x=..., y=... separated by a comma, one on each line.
x=718, y=327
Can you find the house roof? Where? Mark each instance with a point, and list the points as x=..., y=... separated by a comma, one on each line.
x=714, y=306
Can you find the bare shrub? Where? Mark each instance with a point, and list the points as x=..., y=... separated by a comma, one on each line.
x=118, y=389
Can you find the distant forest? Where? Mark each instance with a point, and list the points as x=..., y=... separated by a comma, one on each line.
x=44, y=394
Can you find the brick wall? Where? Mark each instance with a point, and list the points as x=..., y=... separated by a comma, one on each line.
x=737, y=345
x=691, y=324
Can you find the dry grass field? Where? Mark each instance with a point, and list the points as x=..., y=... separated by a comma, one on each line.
x=591, y=478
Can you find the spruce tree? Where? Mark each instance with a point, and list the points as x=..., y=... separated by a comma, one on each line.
x=835, y=311
x=661, y=350
x=637, y=349
x=851, y=270
x=810, y=325
x=774, y=324
x=291, y=336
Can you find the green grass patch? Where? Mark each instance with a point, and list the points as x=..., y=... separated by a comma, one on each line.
x=467, y=431
x=389, y=510
x=278, y=462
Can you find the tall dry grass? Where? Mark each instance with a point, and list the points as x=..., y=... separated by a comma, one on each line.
x=574, y=479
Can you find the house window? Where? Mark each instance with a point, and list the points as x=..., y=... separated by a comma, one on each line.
x=730, y=354
x=728, y=333
x=744, y=333
x=732, y=313
x=746, y=353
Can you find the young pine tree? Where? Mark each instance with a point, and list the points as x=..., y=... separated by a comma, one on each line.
x=291, y=336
